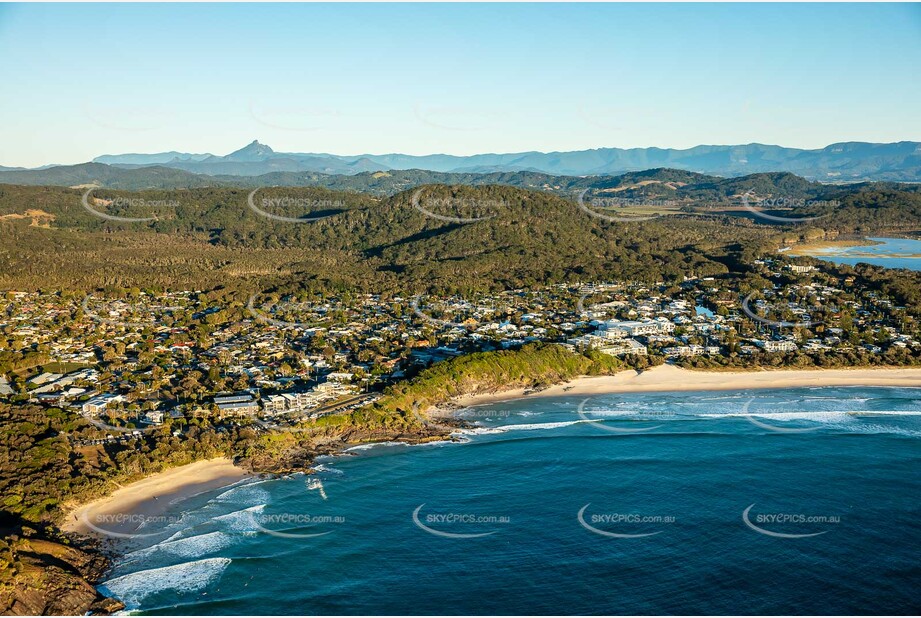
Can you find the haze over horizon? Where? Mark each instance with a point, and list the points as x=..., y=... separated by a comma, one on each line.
x=357, y=79
x=544, y=151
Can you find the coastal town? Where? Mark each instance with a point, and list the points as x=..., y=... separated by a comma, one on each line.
x=139, y=360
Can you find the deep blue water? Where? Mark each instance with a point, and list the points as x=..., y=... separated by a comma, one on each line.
x=891, y=253
x=692, y=471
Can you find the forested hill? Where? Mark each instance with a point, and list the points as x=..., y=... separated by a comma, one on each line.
x=379, y=183
x=211, y=237
x=102, y=175
x=658, y=183
x=434, y=238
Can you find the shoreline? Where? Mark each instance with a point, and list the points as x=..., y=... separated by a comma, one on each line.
x=665, y=378
x=124, y=511
x=821, y=249
x=806, y=249
x=155, y=498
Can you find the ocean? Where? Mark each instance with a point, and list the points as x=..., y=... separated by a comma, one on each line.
x=788, y=501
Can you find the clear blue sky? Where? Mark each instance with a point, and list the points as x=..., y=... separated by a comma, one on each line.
x=83, y=80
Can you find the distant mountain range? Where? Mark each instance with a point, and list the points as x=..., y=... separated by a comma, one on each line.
x=842, y=162
x=659, y=182
x=257, y=165
x=655, y=184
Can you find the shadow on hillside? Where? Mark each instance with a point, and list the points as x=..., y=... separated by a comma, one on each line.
x=378, y=251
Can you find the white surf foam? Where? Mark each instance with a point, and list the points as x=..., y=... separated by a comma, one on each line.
x=875, y=428
x=365, y=447
x=656, y=415
x=185, y=547
x=193, y=576
x=247, y=492
x=315, y=484
x=816, y=415
x=477, y=431
x=439, y=442
x=241, y=520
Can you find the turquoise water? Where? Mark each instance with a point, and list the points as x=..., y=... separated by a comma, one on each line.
x=891, y=253
x=542, y=494
x=701, y=310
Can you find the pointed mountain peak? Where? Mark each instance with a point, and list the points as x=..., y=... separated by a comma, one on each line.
x=251, y=152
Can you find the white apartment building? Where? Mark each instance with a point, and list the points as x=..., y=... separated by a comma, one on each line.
x=99, y=403
x=626, y=346
x=777, y=346
x=636, y=328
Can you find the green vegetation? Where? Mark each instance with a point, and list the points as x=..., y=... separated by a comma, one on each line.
x=46, y=465
x=532, y=237
x=48, y=458
x=533, y=366
x=214, y=239
x=206, y=238
x=42, y=468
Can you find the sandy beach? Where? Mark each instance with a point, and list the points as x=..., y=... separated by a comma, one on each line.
x=670, y=378
x=127, y=509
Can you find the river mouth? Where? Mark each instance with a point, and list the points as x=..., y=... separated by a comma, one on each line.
x=886, y=252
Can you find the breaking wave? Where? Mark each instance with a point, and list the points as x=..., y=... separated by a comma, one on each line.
x=477, y=431
x=134, y=588
x=185, y=547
